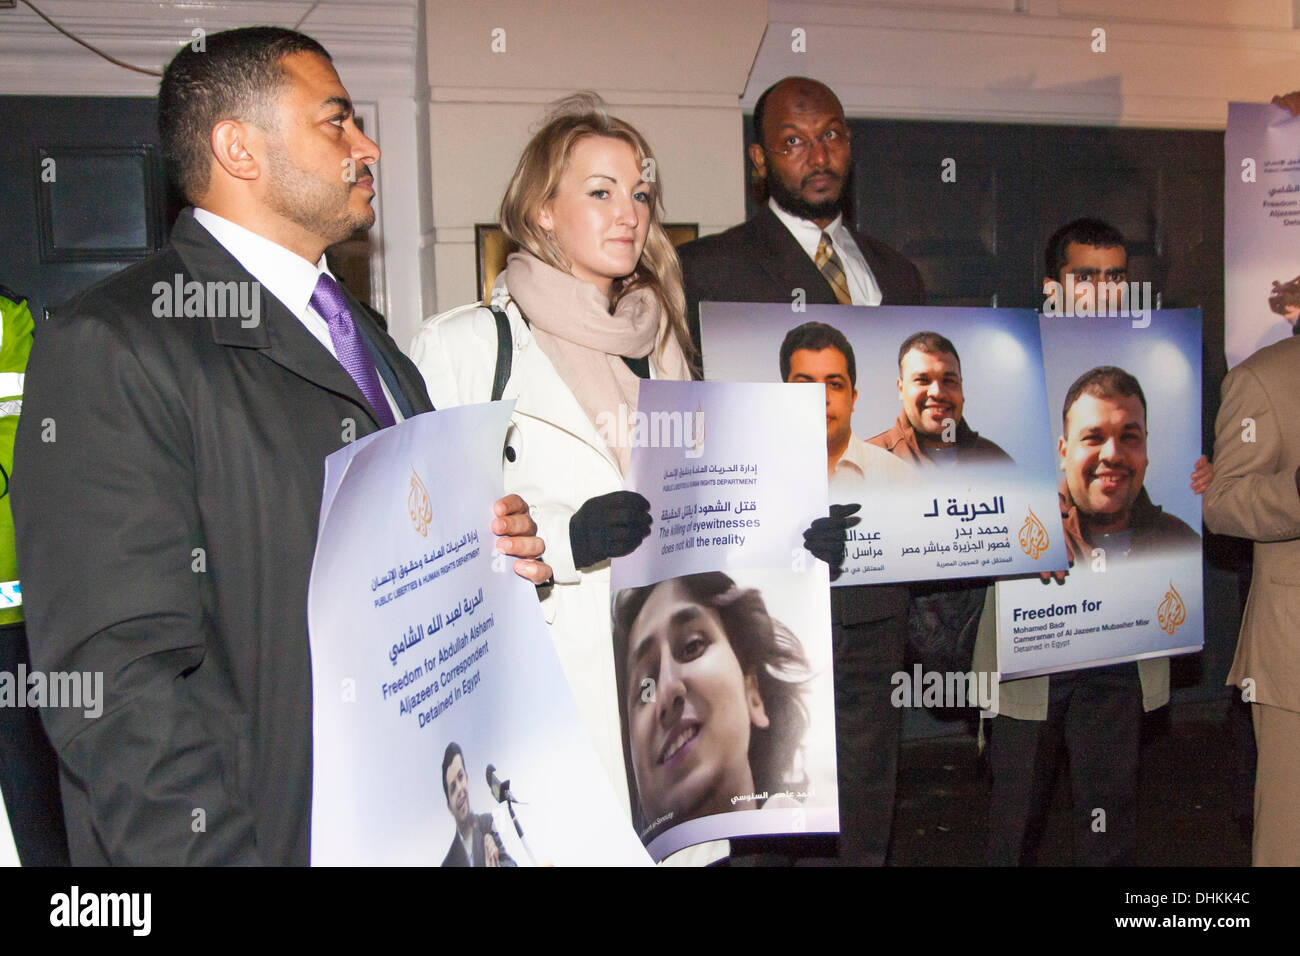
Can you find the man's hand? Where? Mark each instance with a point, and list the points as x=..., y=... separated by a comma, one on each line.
x=517, y=535
x=825, y=536
x=491, y=857
x=1059, y=576
x=1202, y=474
x=1289, y=101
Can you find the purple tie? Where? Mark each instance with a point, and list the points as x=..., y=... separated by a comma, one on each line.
x=329, y=301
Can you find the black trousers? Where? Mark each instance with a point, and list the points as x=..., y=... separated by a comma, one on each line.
x=29, y=769
x=1094, y=717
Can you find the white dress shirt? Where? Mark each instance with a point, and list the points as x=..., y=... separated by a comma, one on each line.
x=862, y=284
x=285, y=274
x=862, y=461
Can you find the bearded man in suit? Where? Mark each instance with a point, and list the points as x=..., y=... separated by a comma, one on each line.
x=169, y=468
x=800, y=241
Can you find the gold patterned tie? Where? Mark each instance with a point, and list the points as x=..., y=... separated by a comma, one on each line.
x=831, y=267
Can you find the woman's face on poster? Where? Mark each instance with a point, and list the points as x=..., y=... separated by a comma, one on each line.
x=690, y=708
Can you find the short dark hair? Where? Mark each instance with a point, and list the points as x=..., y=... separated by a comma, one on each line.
x=1086, y=232
x=1104, y=381
x=764, y=648
x=448, y=755
x=1285, y=295
x=235, y=75
x=931, y=343
x=816, y=336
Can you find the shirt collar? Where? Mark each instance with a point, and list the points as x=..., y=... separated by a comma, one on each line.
x=285, y=274
x=804, y=229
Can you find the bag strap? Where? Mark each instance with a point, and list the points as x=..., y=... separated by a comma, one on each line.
x=505, y=352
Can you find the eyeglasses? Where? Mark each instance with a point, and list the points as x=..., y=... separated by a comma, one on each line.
x=797, y=146
x=1094, y=275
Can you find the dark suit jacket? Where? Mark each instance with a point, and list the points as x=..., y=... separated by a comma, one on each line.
x=482, y=827
x=760, y=261
x=165, y=535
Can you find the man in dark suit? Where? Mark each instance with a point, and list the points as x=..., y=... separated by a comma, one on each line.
x=799, y=243
x=476, y=842
x=169, y=468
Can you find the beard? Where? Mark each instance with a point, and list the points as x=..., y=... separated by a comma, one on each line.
x=796, y=205
x=320, y=207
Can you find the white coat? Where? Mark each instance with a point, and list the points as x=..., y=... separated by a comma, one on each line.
x=560, y=461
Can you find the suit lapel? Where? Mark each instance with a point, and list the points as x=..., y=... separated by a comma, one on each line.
x=782, y=258
x=278, y=334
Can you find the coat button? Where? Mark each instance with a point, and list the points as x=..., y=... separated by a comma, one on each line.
x=510, y=453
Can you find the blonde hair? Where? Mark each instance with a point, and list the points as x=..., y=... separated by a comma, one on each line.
x=537, y=180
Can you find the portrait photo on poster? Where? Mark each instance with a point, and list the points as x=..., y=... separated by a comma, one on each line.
x=936, y=426
x=1126, y=404
x=726, y=704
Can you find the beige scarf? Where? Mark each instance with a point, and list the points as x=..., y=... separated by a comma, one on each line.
x=572, y=324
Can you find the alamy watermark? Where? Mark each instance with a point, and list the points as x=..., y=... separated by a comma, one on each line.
x=208, y=300
x=938, y=689
x=1102, y=300
x=71, y=689
x=636, y=429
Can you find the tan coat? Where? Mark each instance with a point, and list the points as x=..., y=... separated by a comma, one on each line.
x=1254, y=495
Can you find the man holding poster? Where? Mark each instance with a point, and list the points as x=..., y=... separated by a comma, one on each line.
x=1093, y=713
x=193, y=446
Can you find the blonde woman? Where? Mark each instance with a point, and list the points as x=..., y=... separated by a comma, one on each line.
x=594, y=301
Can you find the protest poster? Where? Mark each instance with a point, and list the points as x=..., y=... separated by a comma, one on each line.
x=437, y=692
x=1261, y=222
x=722, y=619
x=944, y=446
x=1126, y=404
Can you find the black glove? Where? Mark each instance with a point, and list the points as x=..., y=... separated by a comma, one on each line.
x=825, y=536
x=609, y=526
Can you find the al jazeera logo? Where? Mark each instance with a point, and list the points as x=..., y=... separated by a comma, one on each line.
x=1172, y=611
x=1033, y=536
x=418, y=505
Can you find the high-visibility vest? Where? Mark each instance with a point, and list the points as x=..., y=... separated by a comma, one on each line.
x=15, y=347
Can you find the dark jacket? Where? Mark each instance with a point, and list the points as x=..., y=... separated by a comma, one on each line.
x=482, y=827
x=760, y=261
x=165, y=535
x=900, y=440
x=1154, y=529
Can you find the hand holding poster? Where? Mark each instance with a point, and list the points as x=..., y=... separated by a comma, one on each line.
x=722, y=620
x=1261, y=227
x=1126, y=394
x=432, y=668
x=904, y=386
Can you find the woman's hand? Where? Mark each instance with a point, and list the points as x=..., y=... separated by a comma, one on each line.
x=517, y=535
x=825, y=537
x=608, y=526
